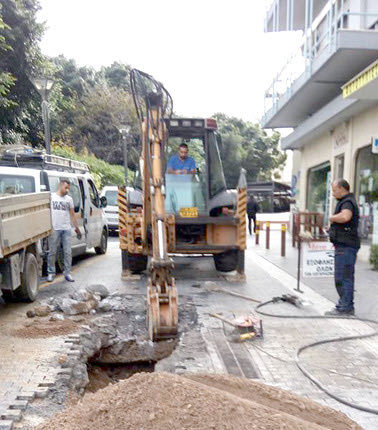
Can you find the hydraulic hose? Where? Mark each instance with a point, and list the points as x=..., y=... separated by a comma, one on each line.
x=305, y=372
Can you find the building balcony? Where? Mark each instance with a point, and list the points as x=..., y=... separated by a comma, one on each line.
x=359, y=94
x=334, y=48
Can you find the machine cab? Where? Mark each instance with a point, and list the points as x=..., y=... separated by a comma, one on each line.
x=193, y=172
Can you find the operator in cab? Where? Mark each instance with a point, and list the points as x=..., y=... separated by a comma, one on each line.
x=181, y=163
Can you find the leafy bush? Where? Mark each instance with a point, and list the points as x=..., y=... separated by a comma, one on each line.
x=374, y=256
x=103, y=172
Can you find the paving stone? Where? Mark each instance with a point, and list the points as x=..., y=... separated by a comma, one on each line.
x=6, y=425
x=41, y=392
x=12, y=414
x=19, y=404
x=26, y=395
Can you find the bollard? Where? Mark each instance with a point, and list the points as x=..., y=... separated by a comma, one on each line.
x=283, y=240
x=267, y=234
x=257, y=232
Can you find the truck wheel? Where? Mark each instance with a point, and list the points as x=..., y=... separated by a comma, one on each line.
x=226, y=261
x=103, y=244
x=137, y=263
x=28, y=290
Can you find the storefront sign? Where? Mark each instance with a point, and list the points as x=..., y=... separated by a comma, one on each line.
x=318, y=259
x=361, y=80
x=374, y=145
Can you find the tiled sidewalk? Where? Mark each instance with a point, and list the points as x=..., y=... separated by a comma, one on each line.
x=348, y=369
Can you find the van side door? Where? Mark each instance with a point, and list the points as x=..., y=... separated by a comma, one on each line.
x=95, y=215
x=85, y=209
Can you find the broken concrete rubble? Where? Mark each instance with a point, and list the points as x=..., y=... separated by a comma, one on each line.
x=98, y=289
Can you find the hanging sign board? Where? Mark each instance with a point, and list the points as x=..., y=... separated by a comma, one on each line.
x=318, y=259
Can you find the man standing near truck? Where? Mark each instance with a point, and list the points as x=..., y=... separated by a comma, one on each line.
x=62, y=213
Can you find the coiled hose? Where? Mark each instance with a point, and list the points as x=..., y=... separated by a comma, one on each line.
x=305, y=372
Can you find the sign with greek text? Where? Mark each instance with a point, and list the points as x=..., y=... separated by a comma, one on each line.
x=318, y=259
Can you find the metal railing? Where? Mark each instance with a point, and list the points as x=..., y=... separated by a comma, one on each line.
x=316, y=39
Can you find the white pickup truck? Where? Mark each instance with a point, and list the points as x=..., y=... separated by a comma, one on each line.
x=25, y=219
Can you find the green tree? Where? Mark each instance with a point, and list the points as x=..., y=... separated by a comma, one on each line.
x=117, y=75
x=244, y=144
x=6, y=79
x=96, y=120
x=21, y=60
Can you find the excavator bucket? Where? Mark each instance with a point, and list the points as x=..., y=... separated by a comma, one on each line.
x=162, y=311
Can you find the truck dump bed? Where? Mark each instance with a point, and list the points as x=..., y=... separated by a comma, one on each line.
x=24, y=218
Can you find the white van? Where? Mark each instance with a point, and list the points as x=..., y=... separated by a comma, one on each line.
x=111, y=210
x=34, y=172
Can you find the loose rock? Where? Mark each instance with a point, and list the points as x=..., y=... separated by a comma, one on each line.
x=42, y=311
x=98, y=289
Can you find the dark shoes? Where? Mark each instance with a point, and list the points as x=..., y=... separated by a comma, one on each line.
x=338, y=313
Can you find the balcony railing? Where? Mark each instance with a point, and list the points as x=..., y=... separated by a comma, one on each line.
x=321, y=36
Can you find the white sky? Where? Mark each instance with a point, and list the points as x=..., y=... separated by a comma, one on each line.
x=211, y=55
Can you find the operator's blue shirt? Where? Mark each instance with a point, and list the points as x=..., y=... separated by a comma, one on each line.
x=175, y=163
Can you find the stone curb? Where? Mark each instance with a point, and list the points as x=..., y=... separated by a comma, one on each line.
x=76, y=348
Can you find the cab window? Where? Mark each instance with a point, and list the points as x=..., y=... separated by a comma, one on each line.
x=93, y=194
x=217, y=181
x=185, y=191
x=14, y=184
x=112, y=197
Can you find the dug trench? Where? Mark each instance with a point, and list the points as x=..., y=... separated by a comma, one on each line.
x=132, y=352
x=110, y=375
x=106, y=348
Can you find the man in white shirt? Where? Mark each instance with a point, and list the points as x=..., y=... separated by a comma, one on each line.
x=62, y=212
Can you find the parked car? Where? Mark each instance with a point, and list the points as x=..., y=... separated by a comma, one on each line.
x=110, y=192
x=30, y=172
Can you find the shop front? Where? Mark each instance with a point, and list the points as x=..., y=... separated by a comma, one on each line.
x=319, y=189
x=366, y=190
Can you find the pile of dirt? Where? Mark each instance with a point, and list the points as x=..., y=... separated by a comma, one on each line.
x=160, y=400
x=44, y=328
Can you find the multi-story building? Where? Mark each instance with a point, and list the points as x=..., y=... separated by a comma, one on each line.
x=328, y=93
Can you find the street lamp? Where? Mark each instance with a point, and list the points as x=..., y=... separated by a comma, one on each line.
x=44, y=86
x=124, y=129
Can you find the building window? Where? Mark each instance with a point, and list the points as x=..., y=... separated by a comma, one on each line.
x=339, y=167
x=366, y=190
x=318, y=182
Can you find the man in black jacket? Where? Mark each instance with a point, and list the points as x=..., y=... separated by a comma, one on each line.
x=252, y=209
x=343, y=234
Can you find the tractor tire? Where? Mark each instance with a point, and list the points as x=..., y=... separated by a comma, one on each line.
x=28, y=290
x=227, y=261
x=136, y=263
x=100, y=250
